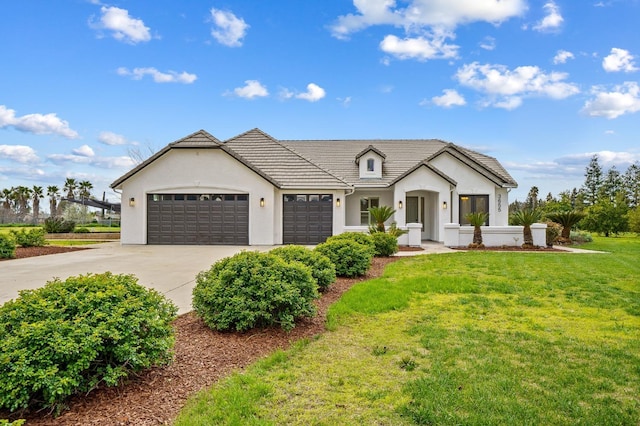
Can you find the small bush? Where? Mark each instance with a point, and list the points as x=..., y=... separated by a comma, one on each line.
x=31, y=238
x=58, y=225
x=252, y=289
x=350, y=258
x=322, y=269
x=385, y=244
x=70, y=336
x=581, y=237
x=358, y=237
x=553, y=231
x=7, y=246
x=81, y=230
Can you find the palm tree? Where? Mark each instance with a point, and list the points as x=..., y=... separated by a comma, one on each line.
x=379, y=215
x=6, y=194
x=23, y=194
x=52, y=192
x=85, y=188
x=477, y=219
x=567, y=219
x=526, y=218
x=36, y=195
x=70, y=185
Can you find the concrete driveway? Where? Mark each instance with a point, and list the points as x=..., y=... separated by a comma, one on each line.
x=171, y=270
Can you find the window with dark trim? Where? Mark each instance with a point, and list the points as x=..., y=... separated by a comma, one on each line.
x=371, y=165
x=365, y=204
x=473, y=204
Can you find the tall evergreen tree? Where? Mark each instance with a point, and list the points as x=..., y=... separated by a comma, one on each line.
x=631, y=183
x=612, y=184
x=593, y=181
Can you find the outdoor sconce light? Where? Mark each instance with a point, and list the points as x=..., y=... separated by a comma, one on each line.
x=337, y=202
x=261, y=202
x=132, y=202
x=399, y=204
x=444, y=205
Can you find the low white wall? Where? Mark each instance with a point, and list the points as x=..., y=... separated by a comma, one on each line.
x=493, y=236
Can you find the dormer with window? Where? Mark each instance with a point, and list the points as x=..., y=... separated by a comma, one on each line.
x=370, y=162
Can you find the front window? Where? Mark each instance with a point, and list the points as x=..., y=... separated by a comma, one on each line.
x=365, y=204
x=473, y=204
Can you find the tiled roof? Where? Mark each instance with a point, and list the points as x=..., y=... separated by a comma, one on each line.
x=330, y=164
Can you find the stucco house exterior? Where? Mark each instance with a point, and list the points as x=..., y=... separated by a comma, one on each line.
x=254, y=189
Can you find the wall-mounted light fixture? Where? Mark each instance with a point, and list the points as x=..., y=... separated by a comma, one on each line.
x=261, y=202
x=399, y=204
x=337, y=202
x=132, y=202
x=444, y=205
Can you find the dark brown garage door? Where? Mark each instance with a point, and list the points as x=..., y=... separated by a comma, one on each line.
x=206, y=219
x=307, y=218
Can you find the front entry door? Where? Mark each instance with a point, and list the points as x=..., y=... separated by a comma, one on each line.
x=415, y=210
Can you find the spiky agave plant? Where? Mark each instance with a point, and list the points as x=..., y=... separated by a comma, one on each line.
x=379, y=215
x=477, y=219
x=526, y=218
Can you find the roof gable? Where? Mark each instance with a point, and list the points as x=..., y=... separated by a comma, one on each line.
x=429, y=167
x=370, y=148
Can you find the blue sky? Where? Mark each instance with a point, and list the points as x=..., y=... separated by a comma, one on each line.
x=541, y=85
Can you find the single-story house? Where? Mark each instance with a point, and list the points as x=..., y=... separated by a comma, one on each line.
x=254, y=189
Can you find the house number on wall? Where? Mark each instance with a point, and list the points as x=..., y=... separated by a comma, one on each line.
x=499, y=202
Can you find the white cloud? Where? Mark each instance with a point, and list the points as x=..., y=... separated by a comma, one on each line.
x=553, y=19
x=562, y=56
x=101, y=162
x=19, y=153
x=488, y=43
x=229, y=29
x=449, y=98
x=110, y=138
x=158, y=77
x=506, y=87
x=420, y=48
x=624, y=99
x=619, y=60
x=251, y=89
x=314, y=93
x=419, y=13
x=84, y=151
x=39, y=124
x=124, y=27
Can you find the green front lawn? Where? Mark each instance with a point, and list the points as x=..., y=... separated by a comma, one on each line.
x=470, y=338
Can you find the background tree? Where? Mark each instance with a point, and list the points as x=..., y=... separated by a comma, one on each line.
x=607, y=217
x=23, y=195
x=631, y=184
x=53, y=194
x=532, y=197
x=84, y=189
x=593, y=181
x=70, y=186
x=634, y=220
x=36, y=194
x=612, y=184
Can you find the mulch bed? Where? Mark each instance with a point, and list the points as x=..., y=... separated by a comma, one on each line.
x=202, y=356
x=24, y=252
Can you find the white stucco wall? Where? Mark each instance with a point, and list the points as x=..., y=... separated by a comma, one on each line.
x=471, y=182
x=352, y=206
x=198, y=171
x=377, y=165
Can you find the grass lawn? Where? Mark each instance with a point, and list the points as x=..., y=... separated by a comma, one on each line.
x=472, y=338
x=8, y=229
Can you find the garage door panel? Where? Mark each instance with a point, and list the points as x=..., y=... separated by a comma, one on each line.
x=306, y=220
x=197, y=219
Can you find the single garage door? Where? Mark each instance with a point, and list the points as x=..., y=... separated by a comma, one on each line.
x=206, y=219
x=307, y=218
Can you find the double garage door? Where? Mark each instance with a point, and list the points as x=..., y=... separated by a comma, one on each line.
x=191, y=219
x=307, y=218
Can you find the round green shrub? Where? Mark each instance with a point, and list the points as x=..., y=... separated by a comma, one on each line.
x=351, y=259
x=358, y=237
x=7, y=246
x=58, y=225
x=322, y=269
x=31, y=238
x=81, y=230
x=385, y=244
x=253, y=289
x=70, y=336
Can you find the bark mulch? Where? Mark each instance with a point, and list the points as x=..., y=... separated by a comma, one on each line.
x=24, y=252
x=202, y=357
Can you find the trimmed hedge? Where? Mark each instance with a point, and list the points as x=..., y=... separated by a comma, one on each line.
x=253, y=289
x=351, y=258
x=7, y=246
x=385, y=244
x=32, y=238
x=322, y=269
x=71, y=336
x=358, y=237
